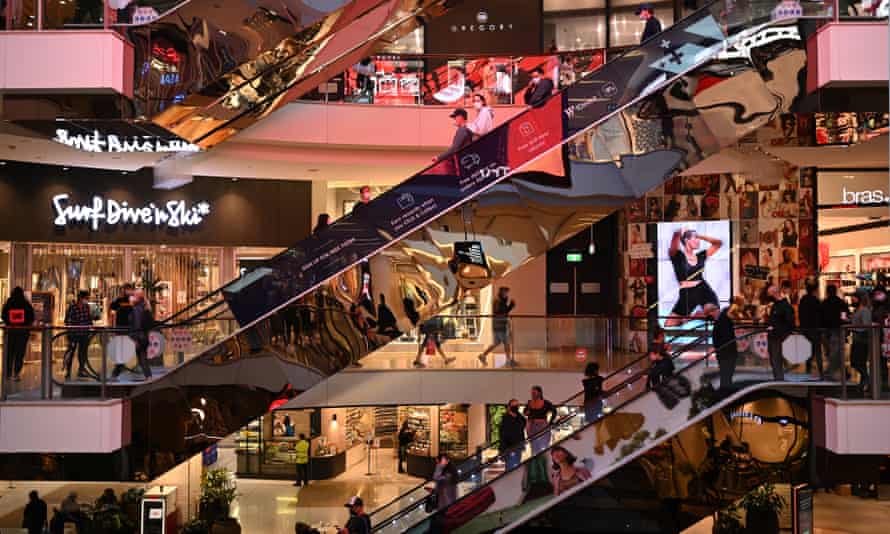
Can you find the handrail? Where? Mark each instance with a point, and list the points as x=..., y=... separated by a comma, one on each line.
x=477, y=469
x=621, y=385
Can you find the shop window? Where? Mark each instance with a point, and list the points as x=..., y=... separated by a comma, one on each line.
x=577, y=32
x=411, y=43
x=625, y=26
x=175, y=277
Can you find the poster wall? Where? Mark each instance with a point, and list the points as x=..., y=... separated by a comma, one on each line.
x=684, y=287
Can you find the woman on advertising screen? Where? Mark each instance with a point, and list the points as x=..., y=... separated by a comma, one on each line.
x=689, y=267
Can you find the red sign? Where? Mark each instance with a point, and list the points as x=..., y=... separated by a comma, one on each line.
x=580, y=354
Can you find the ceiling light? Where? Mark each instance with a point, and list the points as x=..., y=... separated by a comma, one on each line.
x=66, y=168
x=2, y=163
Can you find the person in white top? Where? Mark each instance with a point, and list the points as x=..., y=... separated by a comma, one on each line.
x=484, y=120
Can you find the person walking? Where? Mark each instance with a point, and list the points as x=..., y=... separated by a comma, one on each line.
x=538, y=90
x=879, y=314
x=141, y=322
x=540, y=414
x=462, y=135
x=301, y=452
x=431, y=341
x=484, y=120
x=859, y=349
x=646, y=12
x=35, y=517
x=359, y=522
x=723, y=339
x=593, y=392
x=809, y=313
x=79, y=317
x=835, y=313
x=503, y=305
x=119, y=316
x=18, y=316
x=406, y=438
x=445, y=477
x=512, y=434
x=780, y=324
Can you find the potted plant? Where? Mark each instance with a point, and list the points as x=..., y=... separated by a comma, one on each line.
x=727, y=521
x=218, y=490
x=762, y=507
x=195, y=526
x=130, y=502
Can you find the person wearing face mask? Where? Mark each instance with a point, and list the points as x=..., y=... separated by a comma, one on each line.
x=484, y=121
x=879, y=313
x=512, y=434
x=539, y=89
x=462, y=136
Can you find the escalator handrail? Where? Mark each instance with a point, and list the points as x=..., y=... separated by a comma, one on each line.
x=527, y=441
x=676, y=354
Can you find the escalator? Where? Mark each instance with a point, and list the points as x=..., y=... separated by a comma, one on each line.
x=206, y=69
x=635, y=419
x=476, y=215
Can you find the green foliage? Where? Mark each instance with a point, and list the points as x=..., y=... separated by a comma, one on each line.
x=763, y=499
x=728, y=521
x=703, y=398
x=132, y=496
x=218, y=487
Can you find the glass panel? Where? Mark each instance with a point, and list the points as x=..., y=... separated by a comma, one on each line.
x=578, y=32
x=176, y=276
x=626, y=27
x=73, y=14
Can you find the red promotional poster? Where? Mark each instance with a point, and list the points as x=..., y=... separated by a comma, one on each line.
x=534, y=132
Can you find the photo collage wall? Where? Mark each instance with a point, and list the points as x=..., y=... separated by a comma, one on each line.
x=772, y=237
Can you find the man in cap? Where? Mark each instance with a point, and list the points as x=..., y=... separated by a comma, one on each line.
x=359, y=522
x=653, y=26
x=462, y=137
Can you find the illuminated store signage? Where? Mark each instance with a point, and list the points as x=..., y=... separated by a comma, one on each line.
x=98, y=142
x=171, y=214
x=863, y=197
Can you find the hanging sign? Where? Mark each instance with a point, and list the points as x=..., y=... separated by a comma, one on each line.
x=100, y=142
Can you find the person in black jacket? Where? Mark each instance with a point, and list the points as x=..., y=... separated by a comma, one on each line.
x=653, y=26
x=781, y=323
x=141, y=322
x=810, y=315
x=18, y=315
x=512, y=433
x=835, y=313
x=462, y=135
x=723, y=339
x=34, y=520
x=539, y=89
x=879, y=313
x=406, y=438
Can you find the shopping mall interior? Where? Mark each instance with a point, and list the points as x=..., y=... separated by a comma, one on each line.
x=438, y=266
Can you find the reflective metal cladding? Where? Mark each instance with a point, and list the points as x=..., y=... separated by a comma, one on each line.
x=210, y=69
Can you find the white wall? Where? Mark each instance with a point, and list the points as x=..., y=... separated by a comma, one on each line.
x=63, y=427
x=850, y=426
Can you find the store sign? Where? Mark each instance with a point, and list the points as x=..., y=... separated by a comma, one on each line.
x=99, y=142
x=854, y=197
x=862, y=188
x=482, y=24
x=172, y=214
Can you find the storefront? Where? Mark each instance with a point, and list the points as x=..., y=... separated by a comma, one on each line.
x=63, y=230
x=364, y=438
x=852, y=216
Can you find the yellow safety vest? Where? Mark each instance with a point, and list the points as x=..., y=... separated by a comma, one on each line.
x=302, y=451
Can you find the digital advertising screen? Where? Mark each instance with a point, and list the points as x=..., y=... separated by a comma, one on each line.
x=694, y=268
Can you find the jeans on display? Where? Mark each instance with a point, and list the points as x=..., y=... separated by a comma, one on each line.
x=835, y=351
x=542, y=441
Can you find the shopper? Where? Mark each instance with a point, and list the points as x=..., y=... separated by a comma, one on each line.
x=462, y=135
x=540, y=413
x=431, y=341
x=301, y=452
x=503, y=305
x=484, y=120
x=859, y=348
x=723, y=339
x=107, y=500
x=565, y=475
x=593, y=392
x=78, y=318
x=780, y=324
x=880, y=312
x=512, y=435
x=322, y=222
x=359, y=522
x=35, y=517
x=119, y=316
x=406, y=438
x=835, y=313
x=18, y=316
x=809, y=313
x=653, y=26
x=71, y=511
x=662, y=365
x=445, y=477
x=539, y=89
x=141, y=322
x=386, y=320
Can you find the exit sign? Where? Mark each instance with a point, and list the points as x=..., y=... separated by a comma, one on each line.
x=574, y=257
